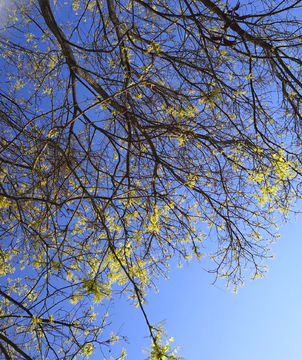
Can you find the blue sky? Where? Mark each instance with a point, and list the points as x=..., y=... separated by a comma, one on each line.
x=262, y=321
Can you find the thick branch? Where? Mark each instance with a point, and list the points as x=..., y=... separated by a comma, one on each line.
x=16, y=347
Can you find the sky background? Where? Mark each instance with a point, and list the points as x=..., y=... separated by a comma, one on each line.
x=262, y=321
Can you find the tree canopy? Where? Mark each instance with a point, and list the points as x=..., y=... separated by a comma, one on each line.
x=132, y=132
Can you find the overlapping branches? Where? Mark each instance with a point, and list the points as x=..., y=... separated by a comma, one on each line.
x=131, y=132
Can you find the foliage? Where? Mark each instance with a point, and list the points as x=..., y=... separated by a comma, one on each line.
x=126, y=125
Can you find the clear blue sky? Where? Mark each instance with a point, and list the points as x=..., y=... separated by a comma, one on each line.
x=262, y=321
